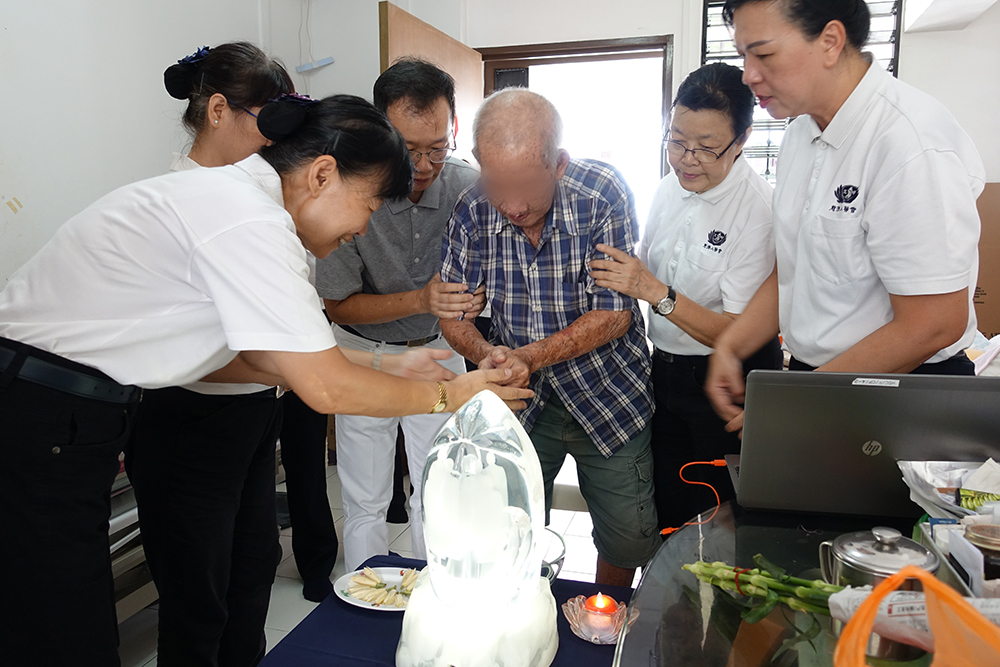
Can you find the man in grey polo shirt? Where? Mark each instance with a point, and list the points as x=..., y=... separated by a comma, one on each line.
x=385, y=295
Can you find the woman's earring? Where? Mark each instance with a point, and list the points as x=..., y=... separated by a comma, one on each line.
x=216, y=122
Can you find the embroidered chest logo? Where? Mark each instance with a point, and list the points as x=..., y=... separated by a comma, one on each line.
x=845, y=194
x=715, y=240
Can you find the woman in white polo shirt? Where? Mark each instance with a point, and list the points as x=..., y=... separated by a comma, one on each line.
x=875, y=220
x=161, y=283
x=224, y=88
x=201, y=457
x=706, y=249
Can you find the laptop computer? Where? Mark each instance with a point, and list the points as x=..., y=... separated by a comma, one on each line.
x=829, y=442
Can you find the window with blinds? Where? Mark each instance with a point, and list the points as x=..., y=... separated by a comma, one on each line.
x=761, y=150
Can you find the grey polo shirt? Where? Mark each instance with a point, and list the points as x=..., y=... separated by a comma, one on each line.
x=401, y=251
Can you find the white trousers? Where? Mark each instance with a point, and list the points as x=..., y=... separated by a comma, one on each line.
x=366, y=448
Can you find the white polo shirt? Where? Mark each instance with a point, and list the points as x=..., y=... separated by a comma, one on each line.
x=883, y=201
x=183, y=163
x=162, y=281
x=715, y=248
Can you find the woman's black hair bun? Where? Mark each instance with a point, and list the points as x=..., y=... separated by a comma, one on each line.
x=179, y=79
x=280, y=117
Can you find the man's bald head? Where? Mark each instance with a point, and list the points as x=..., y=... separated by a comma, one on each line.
x=518, y=123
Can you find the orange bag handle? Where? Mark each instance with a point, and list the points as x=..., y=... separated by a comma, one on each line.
x=941, y=599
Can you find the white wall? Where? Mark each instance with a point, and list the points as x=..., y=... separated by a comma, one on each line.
x=344, y=29
x=448, y=16
x=347, y=30
x=83, y=108
x=961, y=68
x=510, y=22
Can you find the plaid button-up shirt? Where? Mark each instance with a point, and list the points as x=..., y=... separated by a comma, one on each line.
x=536, y=292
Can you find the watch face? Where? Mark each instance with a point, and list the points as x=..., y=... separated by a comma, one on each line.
x=665, y=306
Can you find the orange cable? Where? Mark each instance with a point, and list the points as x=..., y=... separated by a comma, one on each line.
x=718, y=463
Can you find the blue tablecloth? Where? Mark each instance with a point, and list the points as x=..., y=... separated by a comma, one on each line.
x=336, y=633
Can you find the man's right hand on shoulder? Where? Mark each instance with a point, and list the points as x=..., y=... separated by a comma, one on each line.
x=447, y=301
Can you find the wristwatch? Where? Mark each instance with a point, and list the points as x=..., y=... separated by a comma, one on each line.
x=442, y=401
x=665, y=306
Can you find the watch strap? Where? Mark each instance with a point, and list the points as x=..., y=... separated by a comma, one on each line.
x=671, y=297
x=442, y=401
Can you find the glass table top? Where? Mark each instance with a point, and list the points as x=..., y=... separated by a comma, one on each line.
x=684, y=622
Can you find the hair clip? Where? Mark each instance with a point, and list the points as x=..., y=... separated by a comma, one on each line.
x=282, y=115
x=179, y=79
x=295, y=98
x=195, y=57
x=331, y=146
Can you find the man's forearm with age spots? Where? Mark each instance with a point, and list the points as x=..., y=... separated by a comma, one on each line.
x=591, y=331
x=465, y=338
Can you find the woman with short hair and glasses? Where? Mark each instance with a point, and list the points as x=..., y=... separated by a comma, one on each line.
x=875, y=221
x=706, y=249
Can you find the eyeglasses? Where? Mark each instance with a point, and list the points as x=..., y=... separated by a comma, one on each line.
x=702, y=155
x=436, y=156
x=234, y=104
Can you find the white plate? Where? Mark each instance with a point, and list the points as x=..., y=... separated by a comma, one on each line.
x=392, y=576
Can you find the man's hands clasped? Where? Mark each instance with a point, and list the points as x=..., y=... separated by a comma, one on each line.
x=518, y=362
x=422, y=364
x=497, y=380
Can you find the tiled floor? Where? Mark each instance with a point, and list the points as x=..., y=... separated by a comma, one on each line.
x=288, y=607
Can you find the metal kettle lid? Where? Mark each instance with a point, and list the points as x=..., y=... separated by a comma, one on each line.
x=883, y=551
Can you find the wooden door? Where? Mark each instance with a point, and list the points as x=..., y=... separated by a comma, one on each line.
x=402, y=34
x=987, y=296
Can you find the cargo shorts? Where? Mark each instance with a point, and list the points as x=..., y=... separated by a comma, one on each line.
x=618, y=490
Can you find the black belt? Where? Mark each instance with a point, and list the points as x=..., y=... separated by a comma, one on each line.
x=669, y=358
x=52, y=375
x=925, y=368
x=416, y=342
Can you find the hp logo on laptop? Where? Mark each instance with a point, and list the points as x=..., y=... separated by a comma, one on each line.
x=871, y=448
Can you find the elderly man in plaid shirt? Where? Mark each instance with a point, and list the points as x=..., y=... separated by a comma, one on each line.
x=528, y=231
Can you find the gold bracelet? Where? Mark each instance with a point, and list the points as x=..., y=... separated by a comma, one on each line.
x=442, y=401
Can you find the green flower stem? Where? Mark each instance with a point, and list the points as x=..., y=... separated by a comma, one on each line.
x=801, y=605
x=810, y=593
x=799, y=594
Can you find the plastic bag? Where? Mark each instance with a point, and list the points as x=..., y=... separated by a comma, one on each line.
x=902, y=615
x=962, y=636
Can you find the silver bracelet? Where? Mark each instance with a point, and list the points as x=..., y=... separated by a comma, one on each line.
x=377, y=360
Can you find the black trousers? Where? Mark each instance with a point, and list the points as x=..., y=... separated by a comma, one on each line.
x=303, y=454
x=203, y=472
x=686, y=429
x=59, y=456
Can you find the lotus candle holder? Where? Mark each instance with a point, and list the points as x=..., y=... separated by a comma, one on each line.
x=596, y=627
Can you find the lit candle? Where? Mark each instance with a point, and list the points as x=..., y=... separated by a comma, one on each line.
x=602, y=604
